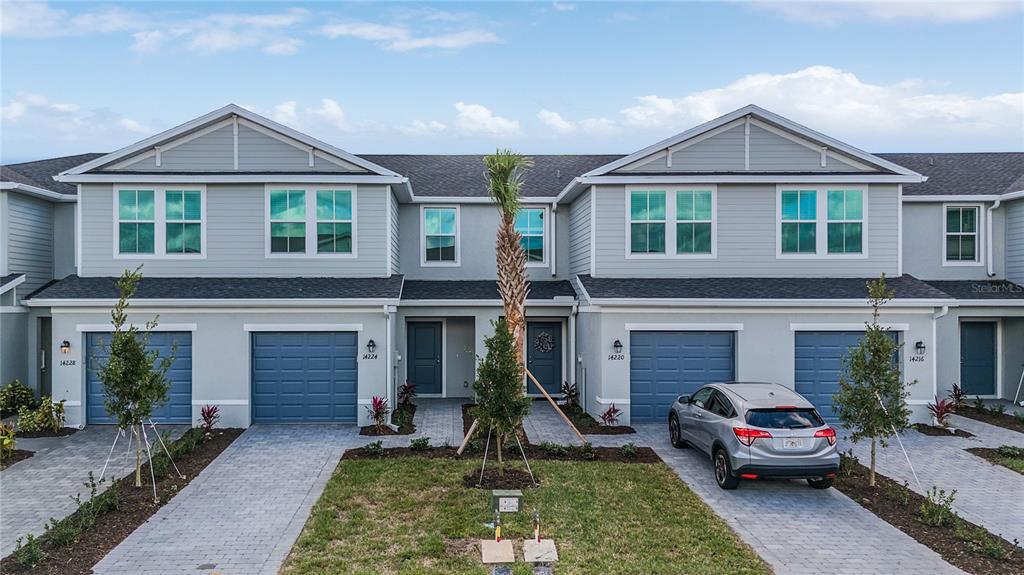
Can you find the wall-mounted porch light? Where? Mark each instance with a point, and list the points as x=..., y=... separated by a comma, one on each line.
x=65, y=346
x=920, y=347
x=371, y=346
x=617, y=346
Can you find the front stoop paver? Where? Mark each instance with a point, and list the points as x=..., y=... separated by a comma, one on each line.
x=243, y=513
x=544, y=425
x=986, y=494
x=436, y=418
x=41, y=487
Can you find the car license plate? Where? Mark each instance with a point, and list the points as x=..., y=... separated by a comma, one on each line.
x=792, y=443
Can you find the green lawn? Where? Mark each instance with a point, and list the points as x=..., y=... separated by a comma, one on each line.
x=1014, y=463
x=412, y=515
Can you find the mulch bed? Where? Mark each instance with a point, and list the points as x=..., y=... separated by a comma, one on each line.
x=16, y=456
x=573, y=453
x=136, y=506
x=590, y=426
x=881, y=501
x=991, y=455
x=935, y=431
x=407, y=427
x=1005, y=420
x=62, y=432
x=512, y=479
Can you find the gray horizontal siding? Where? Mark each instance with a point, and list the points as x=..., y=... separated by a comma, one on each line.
x=579, y=235
x=29, y=240
x=236, y=238
x=923, y=236
x=1015, y=241
x=746, y=239
x=257, y=152
x=394, y=234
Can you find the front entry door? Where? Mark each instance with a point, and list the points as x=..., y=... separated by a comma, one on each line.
x=425, y=356
x=978, y=357
x=544, y=356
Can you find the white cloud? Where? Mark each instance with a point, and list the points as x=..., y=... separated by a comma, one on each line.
x=134, y=126
x=599, y=126
x=401, y=39
x=838, y=102
x=591, y=126
x=286, y=113
x=422, y=128
x=556, y=122
x=832, y=12
x=283, y=47
x=330, y=111
x=563, y=6
x=474, y=119
x=36, y=120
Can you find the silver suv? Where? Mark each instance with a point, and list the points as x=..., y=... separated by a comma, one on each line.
x=755, y=430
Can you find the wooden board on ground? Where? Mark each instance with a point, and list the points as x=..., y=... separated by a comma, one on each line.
x=492, y=552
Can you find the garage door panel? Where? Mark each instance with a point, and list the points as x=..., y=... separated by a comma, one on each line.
x=818, y=365
x=304, y=376
x=178, y=408
x=664, y=365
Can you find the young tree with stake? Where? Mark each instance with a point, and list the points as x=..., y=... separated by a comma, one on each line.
x=871, y=401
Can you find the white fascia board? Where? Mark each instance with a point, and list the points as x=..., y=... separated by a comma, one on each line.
x=104, y=327
x=845, y=326
x=1012, y=195
x=770, y=117
x=991, y=302
x=461, y=200
x=780, y=178
x=754, y=303
x=213, y=303
x=481, y=303
x=230, y=109
x=300, y=327
x=38, y=192
x=12, y=284
x=955, y=198
x=231, y=178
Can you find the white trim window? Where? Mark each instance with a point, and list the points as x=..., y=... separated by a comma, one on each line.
x=960, y=235
x=845, y=213
x=287, y=221
x=694, y=222
x=184, y=221
x=334, y=225
x=647, y=217
x=136, y=221
x=440, y=235
x=531, y=223
x=799, y=220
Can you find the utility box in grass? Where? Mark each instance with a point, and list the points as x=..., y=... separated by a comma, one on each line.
x=506, y=500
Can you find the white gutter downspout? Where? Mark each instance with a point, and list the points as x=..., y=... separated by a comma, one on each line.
x=572, y=353
x=389, y=316
x=988, y=237
x=554, y=238
x=935, y=362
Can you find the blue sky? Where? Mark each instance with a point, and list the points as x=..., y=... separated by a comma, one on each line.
x=538, y=77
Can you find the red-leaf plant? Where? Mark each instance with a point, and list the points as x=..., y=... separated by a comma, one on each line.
x=210, y=415
x=611, y=415
x=378, y=410
x=406, y=392
x=957, y=396
x=941, y=410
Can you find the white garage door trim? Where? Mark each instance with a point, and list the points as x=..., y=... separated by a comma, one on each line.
x=845, y=326
x=302, y=327
x=684, y=327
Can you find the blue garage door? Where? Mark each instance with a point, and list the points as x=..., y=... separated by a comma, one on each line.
x=666, y=364
x=819, y=364
x=178, y=408
x=304, y=377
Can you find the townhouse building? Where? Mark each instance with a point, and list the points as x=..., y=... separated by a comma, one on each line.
x=294, y=280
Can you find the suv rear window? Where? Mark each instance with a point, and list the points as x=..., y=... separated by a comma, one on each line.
x=798, y=418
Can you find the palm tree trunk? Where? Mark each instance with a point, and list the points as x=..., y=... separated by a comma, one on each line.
x=512, y=283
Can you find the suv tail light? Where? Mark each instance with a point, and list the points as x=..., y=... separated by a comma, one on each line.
x=747, y=435
x=828, y=433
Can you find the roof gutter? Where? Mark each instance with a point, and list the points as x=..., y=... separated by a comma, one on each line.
x=762, y=303
x=39, y=192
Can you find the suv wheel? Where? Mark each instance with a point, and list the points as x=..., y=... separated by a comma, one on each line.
x=675, y=434
x=723, y=471
x=820, y=482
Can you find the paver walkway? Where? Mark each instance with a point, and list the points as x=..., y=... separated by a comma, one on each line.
x=796, y=529
x=989, y=495
x=40, y=487
x=438, y=419
x=242, y=514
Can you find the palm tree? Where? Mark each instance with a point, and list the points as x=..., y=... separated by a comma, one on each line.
x=505, y=170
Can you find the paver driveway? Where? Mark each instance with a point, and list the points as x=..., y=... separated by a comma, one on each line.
x=242, y=514
x=36, y=489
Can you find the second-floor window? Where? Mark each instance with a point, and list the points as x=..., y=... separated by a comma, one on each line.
x=440, y=236
x=530, y=225
x=962, y=234
x=334, y=221
x=845, y=221
x=287, y=221
x=647, y=222
x=799, y=221
x=693, y=222
x=136, y=221
x=184, y=226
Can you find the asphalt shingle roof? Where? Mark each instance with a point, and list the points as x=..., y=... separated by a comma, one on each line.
x=463, y=176
x=40, y=173
x=979, y=289
x=905, y=287
x=963, y=173
x=74, y=287
x=480, y=290
x=8, y=279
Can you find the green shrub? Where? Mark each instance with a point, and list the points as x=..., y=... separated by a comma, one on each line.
x=586, y=451
x=937, y=509
x=49, y=416
x=14, y=396
x=1010, y=451
x=374, y=448
x=847, y=463
x=629, y=450
x=553, y=449
x=7, y=440
x=997, y=409
x=61, y=533
x=420, y=444
x=980, y=540
x=898, y=493
x=1019, y=416
x=31, y=553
